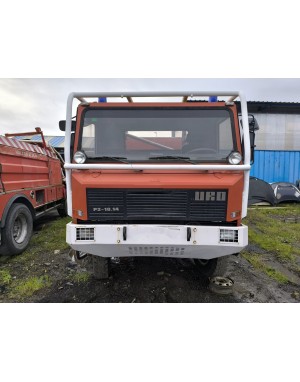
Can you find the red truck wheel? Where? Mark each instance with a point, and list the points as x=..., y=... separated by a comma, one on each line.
x=101, y=267
x=63, y=210
x=17, y=231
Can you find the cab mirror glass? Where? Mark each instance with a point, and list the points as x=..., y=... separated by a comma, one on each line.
x=62, y=125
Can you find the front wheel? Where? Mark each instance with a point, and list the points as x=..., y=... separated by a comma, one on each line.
x=212, y=267
x=101, y=267
x=63, y=209
x=17, y=230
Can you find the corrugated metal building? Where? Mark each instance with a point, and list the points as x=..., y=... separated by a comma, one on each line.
x=277, y=156
x=279, y=124
x=58, y=142
x=55, y=141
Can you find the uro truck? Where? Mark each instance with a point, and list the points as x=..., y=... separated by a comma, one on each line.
x=157, y=178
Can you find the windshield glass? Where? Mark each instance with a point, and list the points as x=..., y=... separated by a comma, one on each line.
x=157, y=134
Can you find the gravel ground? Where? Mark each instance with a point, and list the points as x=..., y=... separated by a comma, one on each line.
x=58, y=278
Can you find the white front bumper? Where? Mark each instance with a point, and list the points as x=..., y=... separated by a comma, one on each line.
x=155, y=240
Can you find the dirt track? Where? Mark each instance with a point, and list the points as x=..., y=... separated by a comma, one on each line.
x=142, y=281
x=59, y=279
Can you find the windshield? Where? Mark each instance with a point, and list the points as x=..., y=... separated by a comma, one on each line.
x=157, y=134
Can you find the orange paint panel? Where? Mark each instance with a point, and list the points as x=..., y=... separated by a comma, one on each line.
x=148, y=179
x=24, y=169
x=60, y=193
x=20, y=184
x=50, y=195
x=233, y=182
x=55, y=172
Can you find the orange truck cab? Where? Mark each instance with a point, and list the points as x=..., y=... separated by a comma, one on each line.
x=157, y=178
x=31, y=184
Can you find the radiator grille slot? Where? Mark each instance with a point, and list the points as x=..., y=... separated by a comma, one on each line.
x=170, y=204
x=207, y=211
x=85, y=234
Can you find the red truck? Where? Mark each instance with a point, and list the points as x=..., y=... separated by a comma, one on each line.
x=31, y=184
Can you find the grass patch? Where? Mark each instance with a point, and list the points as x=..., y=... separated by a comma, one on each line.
x=258, y=263
x=81, y=277
x=26, y=288
x=48, y=239
x=268, y=230
x=5, y=277
x=29, y=266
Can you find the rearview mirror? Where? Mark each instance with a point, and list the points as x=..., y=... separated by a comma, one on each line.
x=253, y=126
x=62, y=125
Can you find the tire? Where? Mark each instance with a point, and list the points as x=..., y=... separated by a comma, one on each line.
x=213, y=267
x=63, y=210
x=17, y=231
x=101, y=267
x=221, y=285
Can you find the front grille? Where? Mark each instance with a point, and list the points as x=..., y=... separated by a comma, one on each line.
x=162, y=205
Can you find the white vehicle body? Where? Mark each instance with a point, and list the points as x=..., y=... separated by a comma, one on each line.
x=157, y=240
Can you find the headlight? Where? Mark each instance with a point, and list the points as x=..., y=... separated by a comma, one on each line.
x=79, y=157
x=234, y=158
x=229, y=236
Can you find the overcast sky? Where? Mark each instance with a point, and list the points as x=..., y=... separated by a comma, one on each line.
x=29, y=103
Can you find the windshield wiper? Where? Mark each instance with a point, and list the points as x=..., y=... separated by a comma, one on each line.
x=186, y=159
x=118, y=159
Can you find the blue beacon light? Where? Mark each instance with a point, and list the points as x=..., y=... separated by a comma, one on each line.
x=213, y=99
